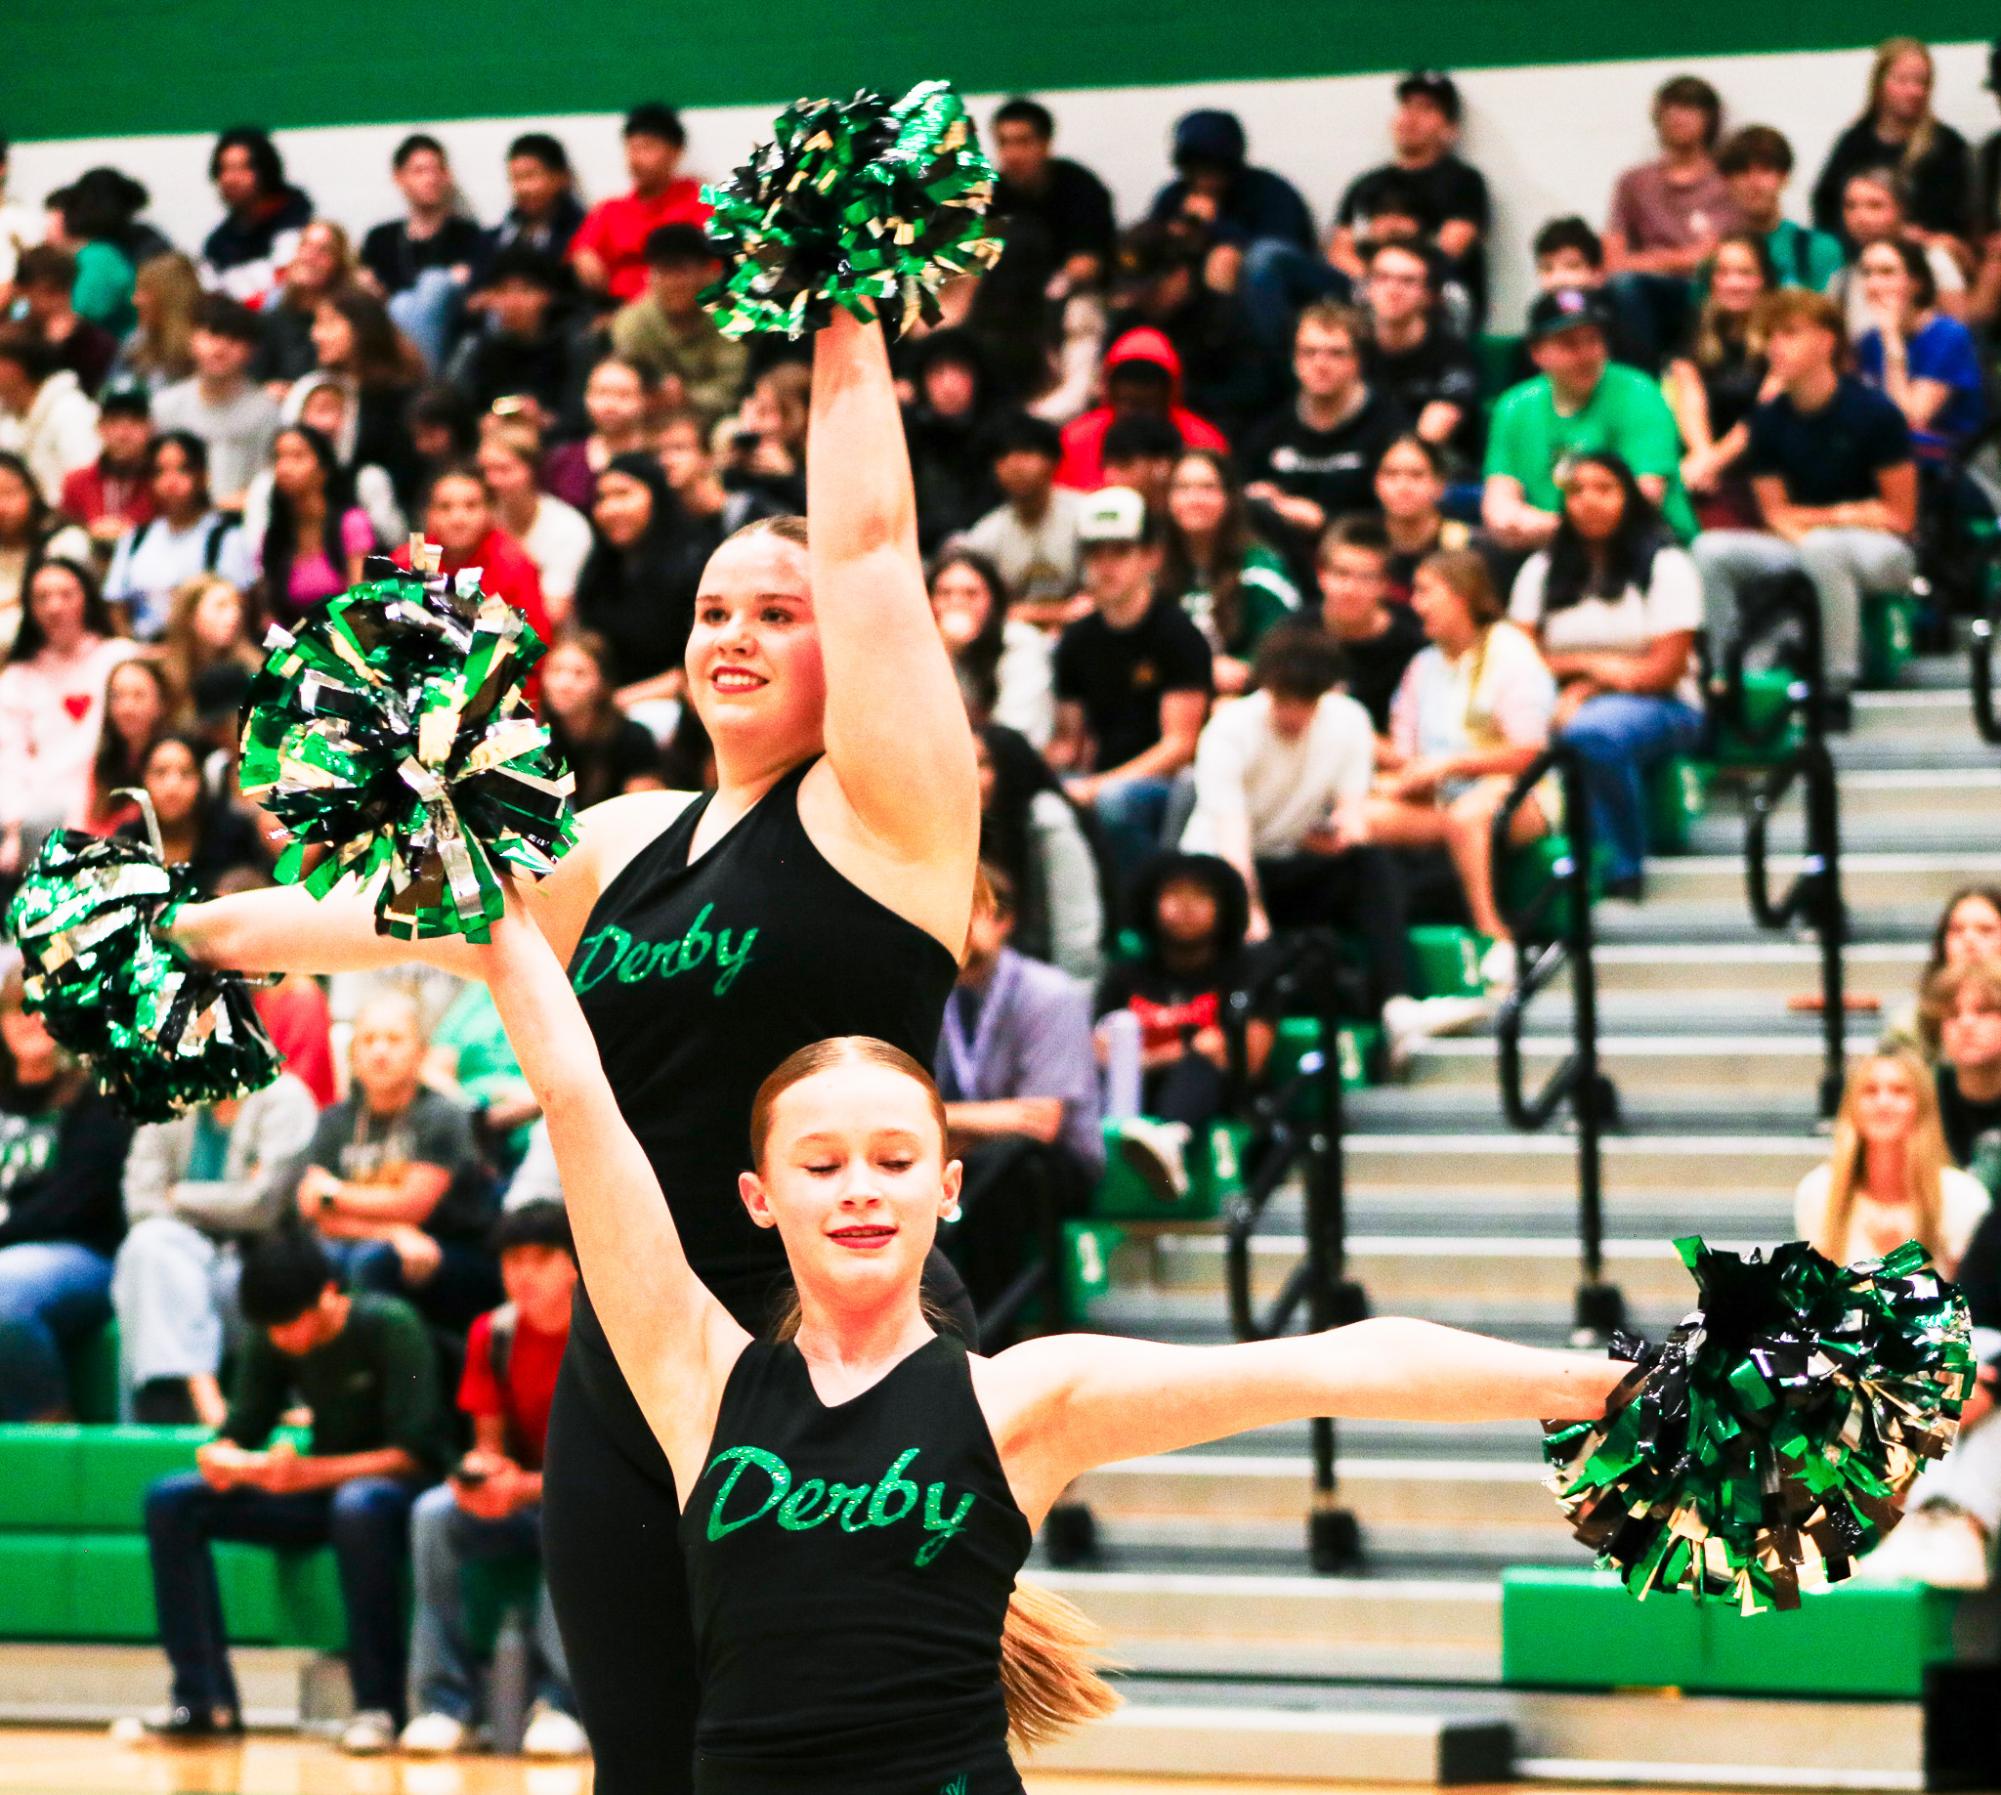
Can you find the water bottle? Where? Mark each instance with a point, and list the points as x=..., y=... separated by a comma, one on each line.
x=1122, y=1049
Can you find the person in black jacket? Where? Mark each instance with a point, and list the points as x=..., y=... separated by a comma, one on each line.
x=525, y=348
x=637, y=587
x=62, y=1159
x=1899, y=130
x=946, y=429
x=262, y=212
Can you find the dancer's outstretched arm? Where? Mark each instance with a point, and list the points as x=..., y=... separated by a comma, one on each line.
x=1067, y=1403
x=896, y=731
x=672, y=1339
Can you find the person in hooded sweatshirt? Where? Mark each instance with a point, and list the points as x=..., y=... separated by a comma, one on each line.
x=263, y=214
x=1141, y=378
x=946, y=425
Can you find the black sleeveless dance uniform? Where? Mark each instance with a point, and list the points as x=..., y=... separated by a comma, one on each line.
x=697, y=980
x=850, y=1568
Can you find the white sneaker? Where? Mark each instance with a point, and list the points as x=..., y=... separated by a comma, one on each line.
x=434, y=1735
x=369, y=1734
x=1410, y=1021
x=1938, y=1545
x=1500, y=966
x=551, y=1733
x=1158, y=1152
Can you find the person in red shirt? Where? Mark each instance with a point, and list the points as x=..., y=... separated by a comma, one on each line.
x=114, y=494
x=491, y=1506
x=609, y=250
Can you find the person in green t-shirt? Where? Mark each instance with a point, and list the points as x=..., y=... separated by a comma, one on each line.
x=1757, y=162
x=365, y=1367
x=1580, y=403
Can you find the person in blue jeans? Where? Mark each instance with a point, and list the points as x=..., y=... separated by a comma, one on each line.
x=1615, y=602
x=364, y=1365
x=62, y=1158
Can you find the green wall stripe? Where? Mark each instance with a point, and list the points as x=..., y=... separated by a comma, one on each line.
x=95, y=68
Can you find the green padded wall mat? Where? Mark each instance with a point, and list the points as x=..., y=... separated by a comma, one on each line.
x=112, y=1582
x=37, y=1585
x=121, y=1463
x=41, y=1475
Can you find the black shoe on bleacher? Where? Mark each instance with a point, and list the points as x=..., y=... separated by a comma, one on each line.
x=1839, y=714
x=177, y=1724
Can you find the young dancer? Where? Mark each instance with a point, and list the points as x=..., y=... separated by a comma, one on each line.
x=859, y=1497
x=823, y=889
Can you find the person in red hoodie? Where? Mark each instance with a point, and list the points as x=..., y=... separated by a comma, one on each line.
x=459, y=518
x=1141, y=378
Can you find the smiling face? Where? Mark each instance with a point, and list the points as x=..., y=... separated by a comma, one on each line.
x=852, y=1174
x=1887, y=286
x=1886, y=1104
x=572, y=683
x=218, y=617
x=56, y=602
x=753, y=660
x=1970, y=1033
x=457, y=516
x=1869, y=210
x=1737, y=280
x=1972, y=931
x=133, y=705
x=173, y=782
x=615, y=397
x=1197, y=499
x=1594, y=501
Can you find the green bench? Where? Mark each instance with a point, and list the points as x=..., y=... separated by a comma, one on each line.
x=1580, y=1629
x=1889, y=637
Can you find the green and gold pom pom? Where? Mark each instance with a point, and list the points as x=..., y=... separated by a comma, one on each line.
x=857, y=203
x=1763, y=1447
x=391, y=731
x=158, y=1031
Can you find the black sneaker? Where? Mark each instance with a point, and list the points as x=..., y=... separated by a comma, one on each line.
x=177, y=1723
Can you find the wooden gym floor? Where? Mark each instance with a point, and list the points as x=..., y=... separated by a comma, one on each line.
x=37, y=1761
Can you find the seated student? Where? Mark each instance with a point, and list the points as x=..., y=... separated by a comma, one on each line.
x=1004, y=665
x=1411, y=358
x=45, y=416
x=262, y=217
x=1927, y=364
x=1020, y=1082
x=1756, y=162
x=220, y=402
x=316, y=535
x=1282, y=793
x=637, y=586
x=1232, y=586
x=1033, y=833
x=1240, y=207
x=1668, y=215
x=1314, y=459
x=1964, y=1004
x=1157, y=284
x=1834, y=481
x=1473, y=710
x=1569, y=253
x=459, y=520
x=554, y=536
x=392, y=1182
x=1875, y=208
x=1069, y=203
x=491, y=1505
x=1031, y=535
x=198, y=1189
x=1580, y=401
x=322, y=265
x=545, y=213
x=112, y=494
x=1614, y=602
x=669, y=333
x=1378, y=638
x=522, y=349
x=211, y=835
x=609, y=249
x=31, y=532
x=1141, y=378
x=607, y=751
x=944, y=425
x=1192, y=913
x=1968, y=929
x=141, y=703
x=1141, y=453
x=421, y=263
x=45, y=280
x=1898, y=129
x=186, y=537
x=618, y=401
x=60, y=1219
x=1410, y=488
x=1132, y=682
x=365, y=1367
x=1714, y=380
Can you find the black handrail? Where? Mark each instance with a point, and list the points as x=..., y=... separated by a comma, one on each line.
x=1298, y=1124
x=1578, y=1084
x=1789, y=611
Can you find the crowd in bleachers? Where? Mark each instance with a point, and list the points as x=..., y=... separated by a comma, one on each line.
x=1267, y=563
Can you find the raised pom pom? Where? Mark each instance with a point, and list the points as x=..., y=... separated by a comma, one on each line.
x=1762, y=1449
x=158, y=1031
x=392, y=730
x=859, y=203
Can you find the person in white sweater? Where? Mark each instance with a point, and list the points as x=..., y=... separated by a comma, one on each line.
x=52, y=706
x=45, y=416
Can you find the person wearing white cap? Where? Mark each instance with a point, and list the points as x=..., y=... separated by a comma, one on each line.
x=1132, y=682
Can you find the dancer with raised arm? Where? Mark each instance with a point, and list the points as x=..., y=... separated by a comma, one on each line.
x=858, y=1497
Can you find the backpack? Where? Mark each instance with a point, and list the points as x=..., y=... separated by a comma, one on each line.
x=211, y=548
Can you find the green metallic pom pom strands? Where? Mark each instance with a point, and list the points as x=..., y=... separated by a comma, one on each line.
x=158, y=1031
x=1763, y=1448
x=856, y=203
x=392, y=731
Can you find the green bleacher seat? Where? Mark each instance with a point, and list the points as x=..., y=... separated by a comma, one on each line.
x=37, y=1572
x=1214, y=1172
x=1360, y=1053
x=1498, y=363
x=93, y=1375
x=41, y=1476
x=1445, y=961
x=1088, y=1248
x=112, y=1588
x=1528, y=870
x=490, y=1590
x=1677, y=795
x=1581, y=1629
x=1889, y=637
x=121, y=1463
x=1765, y=698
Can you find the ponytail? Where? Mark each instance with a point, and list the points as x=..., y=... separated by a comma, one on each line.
x=1052, y=1660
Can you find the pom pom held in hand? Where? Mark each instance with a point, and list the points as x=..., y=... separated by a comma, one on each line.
x=159, y=1032
x=859, y=203
x=1762, y=1448
x=392, y=730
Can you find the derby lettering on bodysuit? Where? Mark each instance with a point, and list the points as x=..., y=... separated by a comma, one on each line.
x=758, y=1485
x=615, y=953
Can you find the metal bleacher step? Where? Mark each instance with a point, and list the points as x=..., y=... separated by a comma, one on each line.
x=1645, y=1107
x=1738, y=1064
x=1664, y=976
x=1717, y=1163
x=1871, y=880
x=48, y=1684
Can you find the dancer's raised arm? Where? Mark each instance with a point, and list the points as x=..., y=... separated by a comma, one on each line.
x=896, y=730
x=1070, y=1402
x=672, y=1339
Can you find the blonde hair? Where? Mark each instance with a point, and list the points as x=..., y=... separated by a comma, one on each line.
x=187, y=656
x=1888, y=53
x=822, y=1056
x=173, y=283
x=788, y=527
x=1925, y=1158
x=1465, y=572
